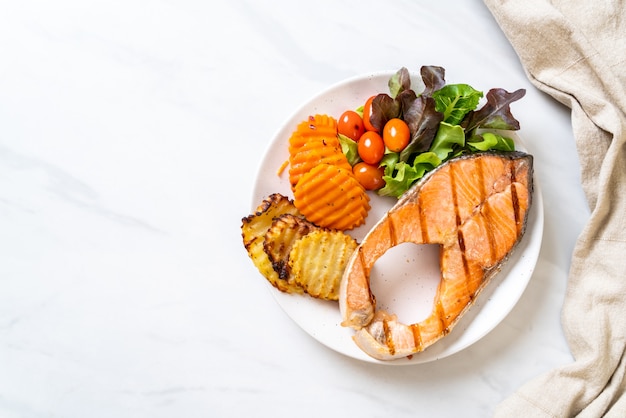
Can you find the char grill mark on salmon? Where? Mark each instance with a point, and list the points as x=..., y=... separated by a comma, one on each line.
x=476, y=208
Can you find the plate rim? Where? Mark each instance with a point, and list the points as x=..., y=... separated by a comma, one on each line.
x=534, y=227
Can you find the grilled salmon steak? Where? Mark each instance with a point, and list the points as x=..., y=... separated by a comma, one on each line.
x=476, y=208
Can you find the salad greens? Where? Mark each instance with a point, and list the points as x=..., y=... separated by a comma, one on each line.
x=455, y=101
x=444, y=121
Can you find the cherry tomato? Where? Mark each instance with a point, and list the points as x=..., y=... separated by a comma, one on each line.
x=396, y=134
x=351, y=125
x=370, y=176
x=371, y=147
x=367, y=113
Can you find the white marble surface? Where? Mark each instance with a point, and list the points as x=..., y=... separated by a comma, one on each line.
x=130, y=135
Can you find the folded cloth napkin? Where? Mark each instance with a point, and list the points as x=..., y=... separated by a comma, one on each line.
x=575, y=51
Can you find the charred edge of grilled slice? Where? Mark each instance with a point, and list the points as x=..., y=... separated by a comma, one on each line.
x=284, y=231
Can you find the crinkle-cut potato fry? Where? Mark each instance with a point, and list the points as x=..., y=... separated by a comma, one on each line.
x=317, y=261
x=286, y=229
x=331, y=197
x=317, y=150
x=253, y=230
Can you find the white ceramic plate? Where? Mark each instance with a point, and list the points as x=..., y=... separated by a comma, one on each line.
x=405, y=278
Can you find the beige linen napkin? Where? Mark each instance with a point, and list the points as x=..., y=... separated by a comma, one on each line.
x=575, y=50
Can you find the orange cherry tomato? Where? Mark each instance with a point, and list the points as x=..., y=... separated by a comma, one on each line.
x=370, y=176
x=367, y=113
x=351, y=125
x=396, y=134
x=371, y=147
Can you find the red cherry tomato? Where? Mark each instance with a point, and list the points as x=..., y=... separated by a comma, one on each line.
x=367, y=113
x=351, y=125
x=370, y=176
x=396, y=134
x=371, y=147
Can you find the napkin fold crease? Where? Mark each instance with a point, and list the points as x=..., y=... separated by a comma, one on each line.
x=575, y=51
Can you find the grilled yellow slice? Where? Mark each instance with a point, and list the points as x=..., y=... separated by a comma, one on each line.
x=317, y=261
x=286, y=229
x=253, y=230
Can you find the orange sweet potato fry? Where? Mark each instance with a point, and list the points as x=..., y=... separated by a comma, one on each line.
x=317, y=150
x=331, y=197
x=314, y=142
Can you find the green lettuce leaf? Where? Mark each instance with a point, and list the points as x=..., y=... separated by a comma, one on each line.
x=449, y=138
x=400, y=176
x=350, y=148
x=455, y=101
x=488, y=141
